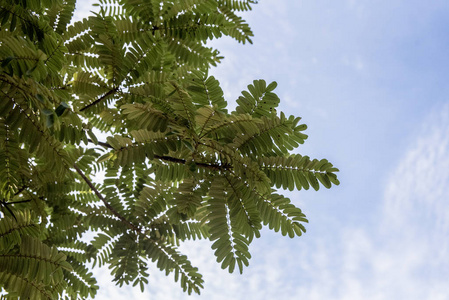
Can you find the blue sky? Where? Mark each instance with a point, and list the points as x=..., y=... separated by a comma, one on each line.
x=369, y=79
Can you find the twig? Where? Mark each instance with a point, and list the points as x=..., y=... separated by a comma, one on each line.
x=176, y=160
x=106, y=203
x=100, y=99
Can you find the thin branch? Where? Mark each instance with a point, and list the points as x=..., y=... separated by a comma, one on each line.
x=14, y=202
x=103, y=144
x=20, y=190
x=217, y=167
x=106, y=203
x=100, y=99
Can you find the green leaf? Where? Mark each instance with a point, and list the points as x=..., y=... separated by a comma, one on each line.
x=40, y=98
x=50, y=120
x=61, y=108
x=6, y=61
x=47, y=112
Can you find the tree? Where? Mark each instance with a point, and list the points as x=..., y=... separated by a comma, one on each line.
x=178, y=165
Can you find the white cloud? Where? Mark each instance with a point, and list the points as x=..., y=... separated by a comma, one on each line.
x=424, y=176
x=405, y=257
x=83, y=9
x=356, y=63
x=357, y=7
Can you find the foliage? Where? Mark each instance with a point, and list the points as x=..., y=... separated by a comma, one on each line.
x=178, y=165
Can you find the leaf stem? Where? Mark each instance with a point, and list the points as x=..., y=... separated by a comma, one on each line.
x=106, y=203
x=217, y=167
x=110, y=92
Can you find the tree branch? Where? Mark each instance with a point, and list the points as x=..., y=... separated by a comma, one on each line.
x=100, y=99
x=20, y=190
x=217, y=167
x=106, y=203
x=103, y=144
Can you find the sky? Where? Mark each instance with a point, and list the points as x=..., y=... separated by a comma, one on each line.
x=369, y=80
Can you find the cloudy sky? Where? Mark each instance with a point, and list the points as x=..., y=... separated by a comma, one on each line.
x=369, y=78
